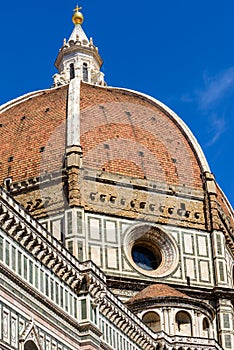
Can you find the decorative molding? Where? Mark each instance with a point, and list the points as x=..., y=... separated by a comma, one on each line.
x=149, y=235
x=30, y=334
x=34, y=182
x=83, y=278
x=39, y=242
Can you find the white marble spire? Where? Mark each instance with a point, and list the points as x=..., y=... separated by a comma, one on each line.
x=78, y=57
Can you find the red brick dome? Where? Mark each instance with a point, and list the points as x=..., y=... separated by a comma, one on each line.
x=156, y=291
x=122, y=132
x=28, y=124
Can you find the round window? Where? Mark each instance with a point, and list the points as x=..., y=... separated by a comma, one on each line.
x=150, y=250
x=146, y=258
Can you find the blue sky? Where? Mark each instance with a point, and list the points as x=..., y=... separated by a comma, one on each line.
x=180, y=52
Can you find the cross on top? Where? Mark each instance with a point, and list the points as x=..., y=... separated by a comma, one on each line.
x=77, y=8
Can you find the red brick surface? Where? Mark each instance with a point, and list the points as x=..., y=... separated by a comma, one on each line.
x=155, y=291
x=127, y=134
x=28, y=126
x=121, y=133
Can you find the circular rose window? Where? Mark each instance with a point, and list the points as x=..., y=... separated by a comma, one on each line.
x=147, y=258
x=151, y=251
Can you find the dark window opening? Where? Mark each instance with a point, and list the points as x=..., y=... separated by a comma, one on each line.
x=152, y=320
x=30, y=345
x=146, y=258
x=85, y=72
x=7, y=183
x=205, y=328
x=72, y=71
x=184, y=323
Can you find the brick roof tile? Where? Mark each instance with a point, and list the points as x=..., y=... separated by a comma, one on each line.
x=29, y=126
x=130, y=135
x=156, y=291
x=121, y=132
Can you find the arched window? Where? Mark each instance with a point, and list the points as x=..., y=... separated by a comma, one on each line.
x=205, y=328
x=183, y=323
x=30, y=345
x=85, y=72
x=152, y=320
x=72, y=71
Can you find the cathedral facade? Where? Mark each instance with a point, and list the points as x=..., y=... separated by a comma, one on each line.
x=113, y=231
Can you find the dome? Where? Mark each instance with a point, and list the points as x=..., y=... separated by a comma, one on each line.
x=125, y=137
x=152, y=303
x=27, y=125
x=155, y=296
x=105, y=190
x=121, y=132
x=155, y=291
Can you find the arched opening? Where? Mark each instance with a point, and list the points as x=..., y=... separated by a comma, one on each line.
x=72, y=71
x=205, y=328
x=30, y=345
x=85, y=72
x=152, y=320
x=183, y=323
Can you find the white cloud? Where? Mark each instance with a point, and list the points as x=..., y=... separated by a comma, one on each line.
x=212, y=101
x=217, y=128
x=215, y=88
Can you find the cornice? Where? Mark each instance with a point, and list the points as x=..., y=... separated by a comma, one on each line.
x=34, y=182
x=33, y=237
x=86, y=50
x=172, y=301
